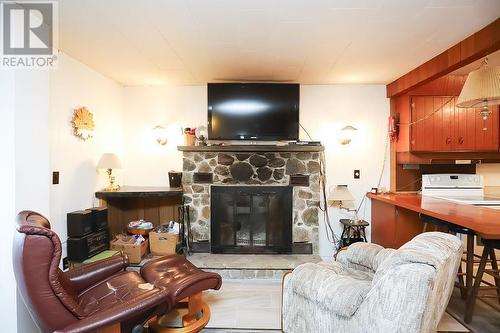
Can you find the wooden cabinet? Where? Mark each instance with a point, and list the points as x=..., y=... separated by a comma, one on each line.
x=438, y=125
x=393, y=226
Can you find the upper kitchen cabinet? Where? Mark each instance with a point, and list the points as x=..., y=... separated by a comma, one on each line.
x=437, y=125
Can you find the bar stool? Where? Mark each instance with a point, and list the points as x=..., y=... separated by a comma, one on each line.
x=465, y=287
x=487, y=256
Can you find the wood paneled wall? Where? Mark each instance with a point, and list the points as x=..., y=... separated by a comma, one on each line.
x=152, y=209
x=474, y=47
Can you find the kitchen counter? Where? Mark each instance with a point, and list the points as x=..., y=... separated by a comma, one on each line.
x=484, y=221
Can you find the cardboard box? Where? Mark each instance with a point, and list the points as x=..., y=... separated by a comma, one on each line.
x=162, y=243
x=125, y=244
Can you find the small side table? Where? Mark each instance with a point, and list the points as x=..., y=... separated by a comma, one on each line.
x=354, y=231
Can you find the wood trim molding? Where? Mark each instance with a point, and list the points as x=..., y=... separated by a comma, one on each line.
x=446, y=157
x=474, y=47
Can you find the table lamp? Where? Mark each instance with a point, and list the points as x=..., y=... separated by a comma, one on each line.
x=341, y=197
x=109, y=162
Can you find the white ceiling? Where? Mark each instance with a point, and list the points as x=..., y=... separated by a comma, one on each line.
x=148, y=42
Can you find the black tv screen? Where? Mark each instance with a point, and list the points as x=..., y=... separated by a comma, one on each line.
x=253, y=111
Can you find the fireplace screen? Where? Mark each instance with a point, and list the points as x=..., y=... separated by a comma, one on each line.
x=251, y=219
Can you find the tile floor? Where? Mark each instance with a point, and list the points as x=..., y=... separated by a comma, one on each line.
x=253, y=305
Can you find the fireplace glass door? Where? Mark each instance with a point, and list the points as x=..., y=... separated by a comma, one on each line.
x=251, y=219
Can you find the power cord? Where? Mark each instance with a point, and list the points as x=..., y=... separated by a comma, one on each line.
x=307, y=133
x=330, y=233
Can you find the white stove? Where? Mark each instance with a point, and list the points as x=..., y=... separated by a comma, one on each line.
x=459, y=188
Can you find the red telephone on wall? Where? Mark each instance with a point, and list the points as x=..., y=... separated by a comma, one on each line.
x=393, y=129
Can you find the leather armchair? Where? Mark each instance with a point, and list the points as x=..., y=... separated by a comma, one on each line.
x=92, y=297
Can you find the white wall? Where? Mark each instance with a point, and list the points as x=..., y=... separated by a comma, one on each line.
x=323, y=110
x=7, y=198
x=32, y=140
x=26, y=154
x=146, y=162
x=73, y=85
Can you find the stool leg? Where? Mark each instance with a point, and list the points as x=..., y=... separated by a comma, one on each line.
x=194, y=307
x=341, y=242
x=461, y=282
x=494, y=266
x=469, y=268
x=471, y=298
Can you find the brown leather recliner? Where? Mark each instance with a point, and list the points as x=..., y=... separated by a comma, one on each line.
x=92, y=297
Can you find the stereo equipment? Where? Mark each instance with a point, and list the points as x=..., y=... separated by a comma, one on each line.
x=87, y=246
x=79, y=223
x=99, y=218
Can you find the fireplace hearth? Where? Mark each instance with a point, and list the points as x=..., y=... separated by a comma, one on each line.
x=251, y=219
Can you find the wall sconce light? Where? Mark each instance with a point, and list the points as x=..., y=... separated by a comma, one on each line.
x=346, y=134
x=160, y=134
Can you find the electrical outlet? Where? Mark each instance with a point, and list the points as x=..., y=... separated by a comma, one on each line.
x=357, y=174
x=55, y=177
x=65, y=263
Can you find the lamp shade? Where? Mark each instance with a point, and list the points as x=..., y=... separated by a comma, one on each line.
x=339, y=193
x=482, y=88
x=109, y=161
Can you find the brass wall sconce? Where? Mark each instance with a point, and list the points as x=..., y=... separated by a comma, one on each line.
x=160, y=134
x=346, y=134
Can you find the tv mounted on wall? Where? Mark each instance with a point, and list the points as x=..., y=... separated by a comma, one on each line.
x=253, y=111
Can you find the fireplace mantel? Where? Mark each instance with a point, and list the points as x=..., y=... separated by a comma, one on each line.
x=252, y=148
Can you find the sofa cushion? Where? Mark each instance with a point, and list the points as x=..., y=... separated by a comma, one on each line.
x=331, y=286
x=360, y=255
x=430, y=248
x=383, y=255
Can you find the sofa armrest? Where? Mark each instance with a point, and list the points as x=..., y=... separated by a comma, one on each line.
x=87, y=275
x=360, y=256
x=330, y=287
x=148, y=301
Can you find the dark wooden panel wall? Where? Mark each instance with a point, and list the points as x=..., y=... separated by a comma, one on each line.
x=152, y=209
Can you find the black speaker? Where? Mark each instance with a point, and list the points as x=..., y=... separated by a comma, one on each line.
x=87, y=246
x=79, y=223
x=99, y=218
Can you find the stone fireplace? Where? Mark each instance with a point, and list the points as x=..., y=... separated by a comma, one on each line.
x=295, y=166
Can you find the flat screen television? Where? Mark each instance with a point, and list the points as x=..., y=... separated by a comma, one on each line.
x=253, y=111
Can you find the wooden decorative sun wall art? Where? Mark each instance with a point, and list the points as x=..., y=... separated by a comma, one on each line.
x=83, y=123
